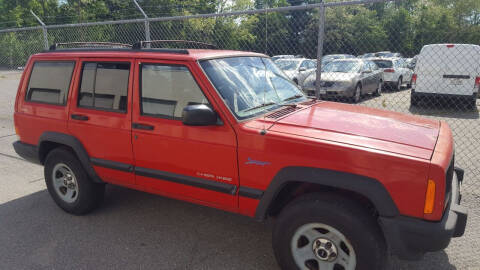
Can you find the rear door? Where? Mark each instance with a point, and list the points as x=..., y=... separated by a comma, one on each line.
x=197, y=163
x=100, y=116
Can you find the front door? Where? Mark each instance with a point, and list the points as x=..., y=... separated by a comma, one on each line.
x=100, y=117
x=196, y=163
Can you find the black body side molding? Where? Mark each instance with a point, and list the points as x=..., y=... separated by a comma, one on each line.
x=365, y=186
x=250, y=193
x=112, y=164
x=74, y=143
x=187, y=180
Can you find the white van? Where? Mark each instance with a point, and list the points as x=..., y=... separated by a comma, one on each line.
x=450, y=70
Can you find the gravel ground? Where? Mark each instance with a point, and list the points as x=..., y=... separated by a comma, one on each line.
x=135, y=230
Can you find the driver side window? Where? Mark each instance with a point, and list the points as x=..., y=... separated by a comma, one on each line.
x=167, y=89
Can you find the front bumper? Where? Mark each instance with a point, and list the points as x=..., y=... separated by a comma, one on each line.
x=411, y=238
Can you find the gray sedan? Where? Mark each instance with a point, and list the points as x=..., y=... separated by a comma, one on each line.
x=350, y=78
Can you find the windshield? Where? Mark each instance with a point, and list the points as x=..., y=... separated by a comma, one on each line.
x=288, y=64
x=368, y=55
x=385, y=55
x=383, y=63
x=251, y=86
x=342, y=66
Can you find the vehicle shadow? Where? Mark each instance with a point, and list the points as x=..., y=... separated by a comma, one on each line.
x=136, y=230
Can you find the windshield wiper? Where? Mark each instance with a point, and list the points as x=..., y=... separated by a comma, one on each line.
x=293, y=97
x=260, y=106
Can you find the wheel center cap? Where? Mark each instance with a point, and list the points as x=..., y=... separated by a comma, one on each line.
x=324, y=249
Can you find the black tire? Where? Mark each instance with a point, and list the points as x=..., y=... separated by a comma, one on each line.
x=398, y=85
x=355, y=98
x=355, y=222
x=90, y=194
x=378, y=92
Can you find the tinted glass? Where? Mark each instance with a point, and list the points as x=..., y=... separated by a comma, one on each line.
x=383, y=63
x=167, y=89
x=49, y=82
x=104, y=86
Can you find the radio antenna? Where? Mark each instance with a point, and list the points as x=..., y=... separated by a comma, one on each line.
x=264, y=130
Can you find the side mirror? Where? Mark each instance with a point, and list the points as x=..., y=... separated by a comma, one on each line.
x=302, y=69
x=199, y=115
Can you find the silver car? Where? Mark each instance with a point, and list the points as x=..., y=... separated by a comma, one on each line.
x=297, y=69
x=347, y=78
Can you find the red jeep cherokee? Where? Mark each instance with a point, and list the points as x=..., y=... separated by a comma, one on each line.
x=227, y=129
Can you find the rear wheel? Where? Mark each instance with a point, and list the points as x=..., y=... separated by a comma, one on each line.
x=69, y=185
x=398, y=86
x=325, y=231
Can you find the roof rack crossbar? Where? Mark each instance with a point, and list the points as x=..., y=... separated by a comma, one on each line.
x=55, y=46
x=141, y=44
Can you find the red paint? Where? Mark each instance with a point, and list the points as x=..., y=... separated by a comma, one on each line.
x=401, y=151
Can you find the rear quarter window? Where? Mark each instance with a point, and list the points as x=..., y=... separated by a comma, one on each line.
x=49, y=82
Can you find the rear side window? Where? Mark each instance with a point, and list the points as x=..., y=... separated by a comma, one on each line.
x=49, y=82
x=104, y=86
x=167, y=89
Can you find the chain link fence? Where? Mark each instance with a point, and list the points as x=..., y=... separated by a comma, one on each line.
x=363, y=60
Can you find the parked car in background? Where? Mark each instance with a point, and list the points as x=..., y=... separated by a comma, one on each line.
x=367, y=55
x=447, y=70
x=350, y=78
x=410, y=63
x=395, y=72
x=285, y=56
x=388, y=54
x=331, y=57
x=297, y=69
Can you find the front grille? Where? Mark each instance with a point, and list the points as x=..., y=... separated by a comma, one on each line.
x=327, y=84
x=449, y=179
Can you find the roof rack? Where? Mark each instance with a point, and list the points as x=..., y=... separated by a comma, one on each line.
x=76, y=45
x=141, y=44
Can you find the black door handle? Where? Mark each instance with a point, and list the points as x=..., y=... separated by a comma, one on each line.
x=79, y=117
x=142, y=126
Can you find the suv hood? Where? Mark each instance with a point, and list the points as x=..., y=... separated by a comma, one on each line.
x=365, y=127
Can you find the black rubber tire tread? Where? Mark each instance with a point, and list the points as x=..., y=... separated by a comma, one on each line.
x=352, y=219
x=90, y=194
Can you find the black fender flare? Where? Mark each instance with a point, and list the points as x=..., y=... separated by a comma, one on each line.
x=368, y=187
x=72, y=142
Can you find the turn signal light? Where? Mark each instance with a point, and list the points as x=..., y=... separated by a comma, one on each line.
x=429, y=197
x=477, y=82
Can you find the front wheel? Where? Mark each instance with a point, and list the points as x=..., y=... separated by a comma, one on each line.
x=378, y=92
x=325, y=231
x=357, y=95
